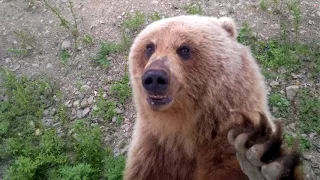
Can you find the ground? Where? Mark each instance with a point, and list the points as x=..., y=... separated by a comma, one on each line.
x=41, y=49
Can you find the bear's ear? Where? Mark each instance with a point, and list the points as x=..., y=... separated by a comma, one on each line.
x=229, y=25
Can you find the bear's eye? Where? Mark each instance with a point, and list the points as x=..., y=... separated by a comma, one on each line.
x=150, y=49
x=184, y=52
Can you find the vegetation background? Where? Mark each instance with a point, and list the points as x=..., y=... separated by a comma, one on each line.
x=65, y=98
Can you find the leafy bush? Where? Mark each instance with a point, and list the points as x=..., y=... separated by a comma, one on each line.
x=34, y=152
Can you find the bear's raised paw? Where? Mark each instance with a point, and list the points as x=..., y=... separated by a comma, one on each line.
x=262, y=153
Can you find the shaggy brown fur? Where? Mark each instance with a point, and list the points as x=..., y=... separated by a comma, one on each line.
x=186, y=138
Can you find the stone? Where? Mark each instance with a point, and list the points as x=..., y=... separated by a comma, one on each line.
x=85, y=112
x=114, y=119
x=66, y=44
x=79, y=114
x=53, y=111
x=318, y=13
x=46, y=112
x=84, y=103
x=8, y=60
x=49, y=66
x=274, y=84
x=76, y=103
x=291, y=91
x=85, y=88
x=16, y=67
x=36, y=65
x=310, y=22
x=119, y=111
x=90, y=100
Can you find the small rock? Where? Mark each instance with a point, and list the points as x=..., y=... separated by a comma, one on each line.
x=76, y=103
x=275, y=109
x=310, y=22
x=46, y=112
x=36, y=65
x=119, y=111
x=294, y=75
x=85, y=112
x=85, y=88
x=312, y=135
x=291, y=91
x=53, y=111
x=37, y=132
x=8, y=60
x=90, y=100
x=154, y=2
x=318, y=13
x=274, y=84
x=66, y=44
x=49, y=66
x=84, y=103
x=16, y=67
x=114, y=119
x=265, y=22
x=282, y=70
x=222, y=13
x=79, y=114
x=292, y=126
x=308, y=156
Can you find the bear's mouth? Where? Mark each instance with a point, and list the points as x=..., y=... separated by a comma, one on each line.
x=159, y=100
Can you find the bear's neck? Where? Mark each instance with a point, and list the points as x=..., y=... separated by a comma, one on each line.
x=176, y=128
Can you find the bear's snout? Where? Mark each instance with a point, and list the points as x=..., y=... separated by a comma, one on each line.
x=155, y=81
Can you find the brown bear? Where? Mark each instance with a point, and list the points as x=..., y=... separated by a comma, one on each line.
x=187, y=73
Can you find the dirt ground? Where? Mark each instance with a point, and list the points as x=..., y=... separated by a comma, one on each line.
x=101, y=19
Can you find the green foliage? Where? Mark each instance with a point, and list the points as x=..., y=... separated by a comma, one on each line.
x=17, y=52
x=309, y=111
x=81, y=171
x=193, y=9
x=294, y=8
x=105, y=109
x=279, y=101
x=134, y=22
x=71, y=27
x=87, y=39
x=64, y=56
x=121, y=89
x=155, y=16
x=114, y=167
x=304, y=143
x=245, y=35
x=34, y=152
x=26, y=44
x=106, y=49
x=263, y=4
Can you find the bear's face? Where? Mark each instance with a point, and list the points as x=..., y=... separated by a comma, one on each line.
x=172, y=60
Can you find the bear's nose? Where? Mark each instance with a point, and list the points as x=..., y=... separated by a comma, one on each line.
x=155, y=81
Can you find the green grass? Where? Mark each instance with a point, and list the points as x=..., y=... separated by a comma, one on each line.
x=64, y=56
x=193, y=9
x=87, y=39
x=121, y=89
x=106, y=48
x=309, y=112
x=155, y=16
x=105, y=109
x=18, y=52
x=281, y=102
x=264, y=4
x=70, y=25
x=304, y=143
x=32, y=151
x=134, y=22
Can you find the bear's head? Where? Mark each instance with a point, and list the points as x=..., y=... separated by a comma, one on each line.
x=182, y=61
